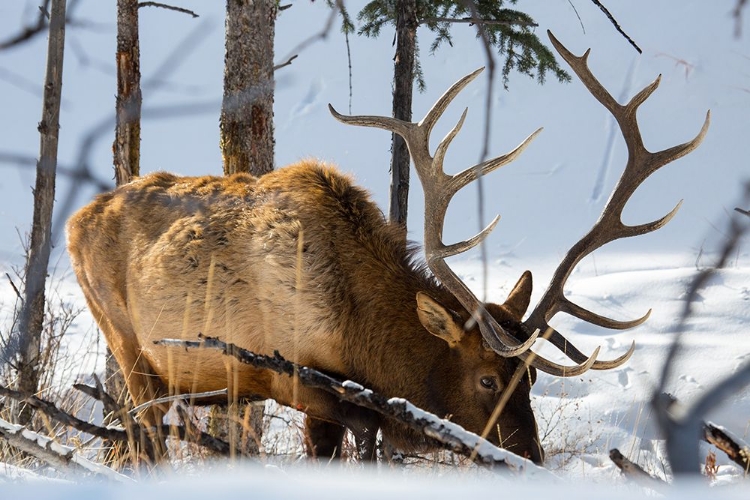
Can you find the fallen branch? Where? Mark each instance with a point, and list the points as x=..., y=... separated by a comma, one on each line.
x=111, y=406
x=130, y=434
x=634, y=472
x=446, y=434
x=735, y=448
x=63, y=458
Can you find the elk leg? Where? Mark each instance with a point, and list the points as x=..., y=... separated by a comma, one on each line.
x=142, y=385
x=323, y=439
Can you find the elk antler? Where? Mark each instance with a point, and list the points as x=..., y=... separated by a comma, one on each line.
x=641, y=164
x=439, y=188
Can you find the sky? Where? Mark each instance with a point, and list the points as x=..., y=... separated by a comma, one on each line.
x=547, y=198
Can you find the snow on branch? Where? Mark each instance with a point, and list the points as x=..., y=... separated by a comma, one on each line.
x=735, y=448
x=63, y=458
x=445, y=433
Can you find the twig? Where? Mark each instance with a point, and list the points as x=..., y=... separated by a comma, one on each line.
x=443, y=433
x=55, y=413
x=177, y=397
x=743, y=212
x=288, y=62
x=168, y=7
x=30, y=31
x=634, y=472
x=737, y=14
x=15, y=289
x=616, y=25
x=111, y=406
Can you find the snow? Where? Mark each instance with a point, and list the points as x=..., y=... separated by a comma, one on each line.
x=547, y=198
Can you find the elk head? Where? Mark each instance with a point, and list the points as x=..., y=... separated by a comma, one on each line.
x=499, y=362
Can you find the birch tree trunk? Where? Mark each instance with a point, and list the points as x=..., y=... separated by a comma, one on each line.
x=31, y=317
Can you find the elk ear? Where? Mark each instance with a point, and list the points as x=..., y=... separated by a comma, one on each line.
x=520, y=296
x=438, y=320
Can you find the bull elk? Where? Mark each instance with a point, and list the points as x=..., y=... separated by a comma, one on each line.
x=301, y=261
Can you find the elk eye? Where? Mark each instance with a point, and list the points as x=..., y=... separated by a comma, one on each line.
x=489, y=383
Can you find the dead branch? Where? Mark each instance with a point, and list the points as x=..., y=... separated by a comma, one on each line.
x=59, y=415
x=288, y=62
x=737, y=14
x=476, y=21
x=682, y=433
x=743, y=212
x=734, y=448
x=62, y=458
x=168, y=7
x=29, y=32
x=616, y=25
x=634, y=472
x=131, y=425
x=445, y=434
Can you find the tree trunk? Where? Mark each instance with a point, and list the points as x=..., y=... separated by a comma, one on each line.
x=127, y=144
x=247, y=109
x=247, y=145
x=126, y=150
x=32, y=310
x=403, y=84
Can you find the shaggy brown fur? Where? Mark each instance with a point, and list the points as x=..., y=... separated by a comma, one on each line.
x=300, y=261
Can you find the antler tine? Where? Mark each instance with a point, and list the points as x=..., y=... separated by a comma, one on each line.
x=472, y=173
x=437, y=110
x=640, y=165
x=391, y=124
x=439, y=188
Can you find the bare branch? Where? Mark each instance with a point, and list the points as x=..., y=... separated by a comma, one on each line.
x=62, y=458
x=58, y=415
x=737, y=14
x=15, y=289
x=178, y=397
x=29, y=32
x=634, y=472
x=682, y=433
x=444, y=433
x=616, y=25
x=734, y=448
x=288, y=62
x=168, y=7
x=477, y=21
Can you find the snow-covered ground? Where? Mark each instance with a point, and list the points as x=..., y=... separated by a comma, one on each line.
x=547, y=198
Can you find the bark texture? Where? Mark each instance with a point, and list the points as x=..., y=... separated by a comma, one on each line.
x=403, y=84
x=247, y=143
x=31, y=318
x=126, y=150
x=127, y=145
